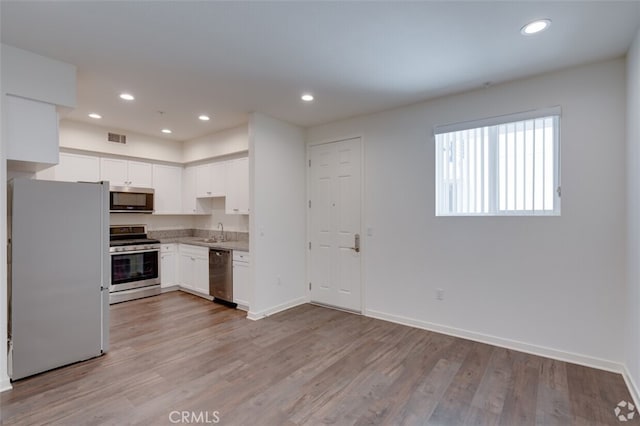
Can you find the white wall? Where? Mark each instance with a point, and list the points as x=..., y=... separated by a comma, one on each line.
x=88, y=137
x=153, y=223
x=225, y=142
x=632, y=353
x=4, y=377
x=278, y=215
x=551, y=285
x=231, y=222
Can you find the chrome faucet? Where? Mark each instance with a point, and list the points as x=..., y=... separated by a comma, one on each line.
x=221, y=227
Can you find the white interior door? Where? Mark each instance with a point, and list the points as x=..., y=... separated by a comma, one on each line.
x=335, y=195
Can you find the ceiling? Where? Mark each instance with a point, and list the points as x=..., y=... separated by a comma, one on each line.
x=228, y=59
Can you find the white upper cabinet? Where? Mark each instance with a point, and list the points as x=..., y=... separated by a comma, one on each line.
x=191, y=204
x=167, y=182
x=189, y=190
x=210, y=180
x=237, y=201
x=73, y=168
x=126, y=173
x=115, y=171
x=219, y=179
x=140, y=174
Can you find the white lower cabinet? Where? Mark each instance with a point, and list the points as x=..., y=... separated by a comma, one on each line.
x=241, y=289
x=194, y=268
x=168, y=265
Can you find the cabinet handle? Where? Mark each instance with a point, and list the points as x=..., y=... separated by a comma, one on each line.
x=235, y=210
x=356, y=238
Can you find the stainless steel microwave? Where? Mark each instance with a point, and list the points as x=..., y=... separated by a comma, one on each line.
x=125, y=199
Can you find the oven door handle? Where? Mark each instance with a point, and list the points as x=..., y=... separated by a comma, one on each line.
x=133, y=251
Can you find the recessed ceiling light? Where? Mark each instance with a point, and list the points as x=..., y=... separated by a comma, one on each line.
x=167, y=131
x=94, y=115
x=307, y=97
x=535, y=26
x=204, y=117
x=126, y=96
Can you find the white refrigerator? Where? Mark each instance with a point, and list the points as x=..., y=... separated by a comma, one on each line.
x=58, y=274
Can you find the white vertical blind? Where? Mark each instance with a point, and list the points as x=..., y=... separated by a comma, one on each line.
x=509, y=168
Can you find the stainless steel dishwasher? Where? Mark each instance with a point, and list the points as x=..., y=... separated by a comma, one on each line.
x=221, y=276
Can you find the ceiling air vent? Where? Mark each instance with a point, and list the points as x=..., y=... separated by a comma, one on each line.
x=114, y=137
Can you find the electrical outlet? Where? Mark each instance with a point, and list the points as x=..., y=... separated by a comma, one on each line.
x=440, y=294
x=279, y=280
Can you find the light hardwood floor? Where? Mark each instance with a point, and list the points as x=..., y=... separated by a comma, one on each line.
x=309, y=365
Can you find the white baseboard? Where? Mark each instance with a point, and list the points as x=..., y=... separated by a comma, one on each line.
x=196, y=293
x=5, y=385
x=587, y=361
x=275, y=309
x=634, y=390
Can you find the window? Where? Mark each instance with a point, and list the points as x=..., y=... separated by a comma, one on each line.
x=506, y=165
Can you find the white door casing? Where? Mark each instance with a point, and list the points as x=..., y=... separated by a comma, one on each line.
x=335, y=223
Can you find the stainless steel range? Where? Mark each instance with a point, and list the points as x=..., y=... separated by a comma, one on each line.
x=135, y=263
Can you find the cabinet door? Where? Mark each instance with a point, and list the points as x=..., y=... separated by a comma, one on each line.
x=185, y=271
x=73, y=168
x=167, y=182
x=201, y=275
x=168, y=269
x=218, y=179
x=191, y=204
x=115, y=171
x=203, y=181
x=140, y=174
x=189, y=190
x=237, y=201
x=78, y=168
x=241, y=284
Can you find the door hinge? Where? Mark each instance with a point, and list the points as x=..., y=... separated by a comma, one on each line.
x=309, y=285
x=559, y=191
x=309, y=163
x=309, y=203
x=309, y=245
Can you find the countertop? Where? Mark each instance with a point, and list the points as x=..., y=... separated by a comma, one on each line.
x=197, y=241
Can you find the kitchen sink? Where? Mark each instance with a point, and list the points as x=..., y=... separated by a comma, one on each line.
x=211, y=240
